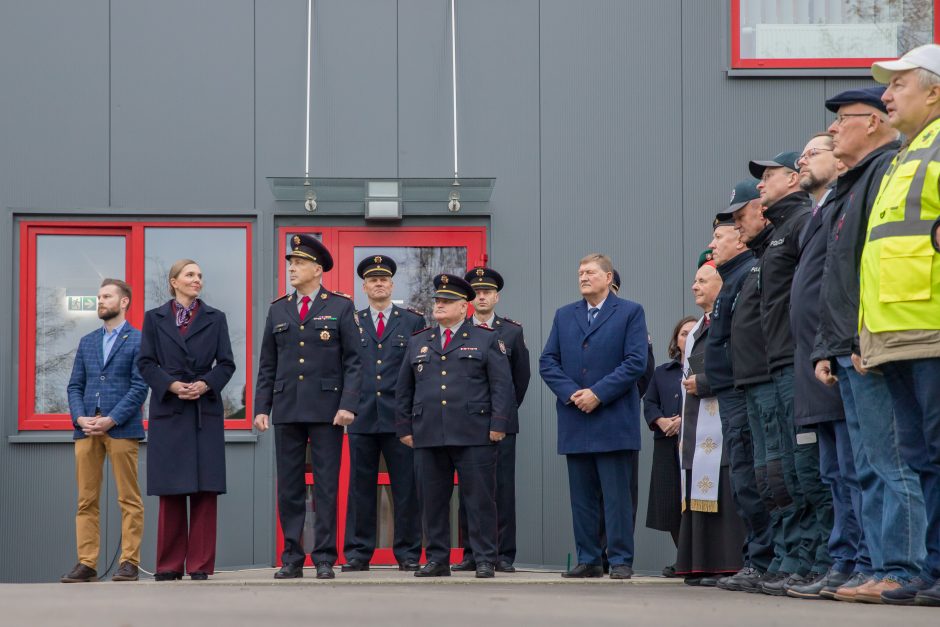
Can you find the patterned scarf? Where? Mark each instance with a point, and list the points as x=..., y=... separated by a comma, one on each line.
x=184, y=314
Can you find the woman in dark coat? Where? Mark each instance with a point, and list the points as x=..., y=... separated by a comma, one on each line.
x=662, y=408
x=186, y=358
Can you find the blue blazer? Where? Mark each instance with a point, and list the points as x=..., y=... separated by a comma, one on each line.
x=114, y=385
x=609, y=357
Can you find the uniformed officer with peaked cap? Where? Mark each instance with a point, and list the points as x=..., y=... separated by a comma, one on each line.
x=487, y=283
x=455, y=401
x=385, y=331
x=309, y=378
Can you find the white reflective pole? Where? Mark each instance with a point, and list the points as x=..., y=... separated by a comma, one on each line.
x=453, y=72
x=307, y=122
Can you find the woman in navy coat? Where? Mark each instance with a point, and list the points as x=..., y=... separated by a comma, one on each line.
x=662, y=408
x=186, y=358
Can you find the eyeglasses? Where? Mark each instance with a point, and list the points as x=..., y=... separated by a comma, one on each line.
x=812, y=152
x=840, y=118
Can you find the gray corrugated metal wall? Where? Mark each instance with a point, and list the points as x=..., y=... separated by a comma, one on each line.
x=609, y=126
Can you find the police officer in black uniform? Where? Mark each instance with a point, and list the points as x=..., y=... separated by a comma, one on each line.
x=455, y=401
x=487, y=284
x=309, y=376
x=385, y=331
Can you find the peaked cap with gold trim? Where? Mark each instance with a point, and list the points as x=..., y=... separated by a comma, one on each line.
x=452, y=287
x=484, y=278
x=307, y=246
x=376, y=265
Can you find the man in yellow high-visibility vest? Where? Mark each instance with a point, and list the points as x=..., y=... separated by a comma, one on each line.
x=899, y=317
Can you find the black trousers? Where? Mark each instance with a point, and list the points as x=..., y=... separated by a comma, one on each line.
x=476, y=471
x=326, y=448
x=505, y=502
x=361, y=519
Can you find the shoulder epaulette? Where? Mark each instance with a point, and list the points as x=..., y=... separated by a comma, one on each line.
x=511, y=321
x=483, y=328
x=421, y=331
x=282, y=297
x=415, y=311
x=346, y=296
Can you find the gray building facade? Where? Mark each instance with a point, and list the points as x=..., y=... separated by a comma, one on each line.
x=609, y=125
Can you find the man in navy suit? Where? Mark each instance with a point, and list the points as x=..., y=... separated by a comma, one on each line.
x=595, y=354
x=105, y=393
x=386, y=329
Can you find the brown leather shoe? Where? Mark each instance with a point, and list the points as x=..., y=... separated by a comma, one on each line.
x=848, y=591
x=127, y=572
x=871, y=593
x=80, y=574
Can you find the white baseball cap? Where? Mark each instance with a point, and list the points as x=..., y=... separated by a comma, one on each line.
x=926, y=57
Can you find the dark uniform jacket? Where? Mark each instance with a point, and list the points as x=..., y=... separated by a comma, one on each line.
x=381, y=362
x=663, y=396
x=454, y=396
x=309, y=368
x=748, y=347
x=510, y=332
x=788, y=215
x=813, y=402
x=718, y=346
x=186, y=439
x=846, y=227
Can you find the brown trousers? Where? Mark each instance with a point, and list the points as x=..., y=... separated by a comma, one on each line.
x=90, y=453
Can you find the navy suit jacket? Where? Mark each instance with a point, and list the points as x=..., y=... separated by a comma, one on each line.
x=609, y=357
x=115, y=386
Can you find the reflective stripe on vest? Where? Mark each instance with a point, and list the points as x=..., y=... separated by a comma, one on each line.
x=900, y=271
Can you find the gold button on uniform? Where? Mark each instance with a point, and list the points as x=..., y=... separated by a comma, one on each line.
x=301, y=360
x=379, y=377
x=443, y=373
x=301, y=343
x=301, y=327
x=443, y=387
x=443, y=357
x=378, y=361
x=378, y=394
x=443, y=402
x=379, y=345
x=301, y=377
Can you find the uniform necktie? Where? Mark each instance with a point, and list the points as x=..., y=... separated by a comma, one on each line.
x=380, y=329
x=447, y=334
x=484, y=325
x=592, y=313
x=304, y=307
x=708, y=321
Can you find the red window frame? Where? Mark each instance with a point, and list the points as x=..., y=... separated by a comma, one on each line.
x=134, y=234
x=737, y=62
x=341, y=241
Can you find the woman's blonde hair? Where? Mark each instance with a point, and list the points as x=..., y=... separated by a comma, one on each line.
x=175, y=270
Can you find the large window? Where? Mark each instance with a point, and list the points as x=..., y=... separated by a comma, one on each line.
x=62, y=265
x=827, y=33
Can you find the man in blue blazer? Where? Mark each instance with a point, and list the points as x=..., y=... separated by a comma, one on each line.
x=105, y=393
x=595, y=354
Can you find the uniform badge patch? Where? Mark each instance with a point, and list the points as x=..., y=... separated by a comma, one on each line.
x=324, y=335
x=296, y=240
x=502, y=346
x=424, y=349
x=420, y=367
x=323, y=296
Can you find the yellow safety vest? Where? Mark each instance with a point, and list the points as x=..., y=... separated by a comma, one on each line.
x=900, y=273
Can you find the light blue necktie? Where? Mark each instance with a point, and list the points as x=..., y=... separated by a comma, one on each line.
x=592, y=313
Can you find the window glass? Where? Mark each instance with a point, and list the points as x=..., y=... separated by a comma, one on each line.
x=416, y=269
x=832, y=29
x=220, y=255
x=69, y=271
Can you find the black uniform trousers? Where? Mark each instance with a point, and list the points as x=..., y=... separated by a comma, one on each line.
x=361, y=518
x=476, y=472
x=326, y=448
x=505, y=503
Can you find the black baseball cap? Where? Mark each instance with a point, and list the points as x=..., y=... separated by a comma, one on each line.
x=782, y=160
x=742, y=193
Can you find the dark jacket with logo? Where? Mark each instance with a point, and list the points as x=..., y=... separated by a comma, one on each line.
x=510, y=333
x=748, y=347
x=718, y=347
x=381, y=361
x=813, y=402
x=846, y=228
x=789, y=216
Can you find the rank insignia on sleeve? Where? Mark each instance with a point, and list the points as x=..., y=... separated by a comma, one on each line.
x=502, y=346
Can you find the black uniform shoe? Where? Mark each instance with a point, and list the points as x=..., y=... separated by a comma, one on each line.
x=409, y=565
x=584, y=571
x=773, y=584
x=199, y=576
x=812, y=589
x=905, y=595
x=325, y=571
x=748, y=579
x=127, y=572
x=466, y=563
x=355, y=565
x=80, y=574
x=485, y=570
x=502, y=566
x=707, y=581
x=290, y=571
x=434, y=569
x=929, y=597
x=669, y=571
x=167, y=575
x=620, y=571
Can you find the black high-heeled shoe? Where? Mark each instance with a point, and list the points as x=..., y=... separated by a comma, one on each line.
x=167, y=575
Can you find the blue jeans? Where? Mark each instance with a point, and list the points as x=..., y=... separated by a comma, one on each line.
x=837, y=468
x=915, y=388
x=892, y=512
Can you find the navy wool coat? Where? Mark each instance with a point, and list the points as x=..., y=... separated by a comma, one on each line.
x=186, y=439
x=609, y=357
